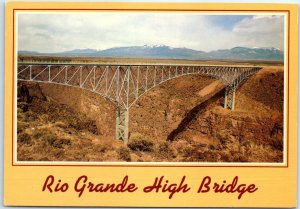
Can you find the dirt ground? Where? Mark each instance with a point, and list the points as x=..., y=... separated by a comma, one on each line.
x=181, y=120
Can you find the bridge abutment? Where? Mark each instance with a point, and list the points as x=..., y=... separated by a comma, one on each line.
x=122, y=119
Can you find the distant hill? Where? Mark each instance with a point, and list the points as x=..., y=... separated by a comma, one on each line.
x=166, y=52
x=243, y=53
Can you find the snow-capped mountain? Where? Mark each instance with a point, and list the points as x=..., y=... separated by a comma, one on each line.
x=151, y=51
x=167, y=52
x=254, y=53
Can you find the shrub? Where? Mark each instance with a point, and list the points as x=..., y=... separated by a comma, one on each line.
x=277, y=143
x=24, y=138
x=50, y=139
x=225, y=138
x=144, y=145
x=124, y=154
x=101, y=148
x=58, y=143
x=204, y=153
x=21, y=126
x=61, y=124
x=83, y=124
x=29, y=116
x=41, y=133
x=164, y=150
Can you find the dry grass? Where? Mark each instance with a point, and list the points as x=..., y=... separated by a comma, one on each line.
x=97, y=60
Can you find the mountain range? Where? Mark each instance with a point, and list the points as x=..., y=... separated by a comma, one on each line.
x=167, y=52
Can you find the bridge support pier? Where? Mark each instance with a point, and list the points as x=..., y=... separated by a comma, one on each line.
x=122, y=118
x=229, y=97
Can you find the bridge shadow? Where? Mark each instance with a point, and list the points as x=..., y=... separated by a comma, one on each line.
x=192, y=114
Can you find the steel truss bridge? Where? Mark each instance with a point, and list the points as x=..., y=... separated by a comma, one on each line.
x=125, y=84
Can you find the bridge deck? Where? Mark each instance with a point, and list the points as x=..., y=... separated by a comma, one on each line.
x=136, y=64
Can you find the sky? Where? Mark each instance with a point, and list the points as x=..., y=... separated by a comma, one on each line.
x=58, y=32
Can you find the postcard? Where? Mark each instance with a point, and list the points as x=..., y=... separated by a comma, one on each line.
x=150, y=104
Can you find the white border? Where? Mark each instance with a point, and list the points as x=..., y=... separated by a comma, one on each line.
x=153, y=164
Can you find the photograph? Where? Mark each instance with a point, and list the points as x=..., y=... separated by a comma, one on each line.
x=150, y=86
x=151, y=104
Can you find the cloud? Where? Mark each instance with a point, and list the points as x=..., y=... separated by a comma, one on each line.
x=263, y=31
x=260, y=24
x=55, y=32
